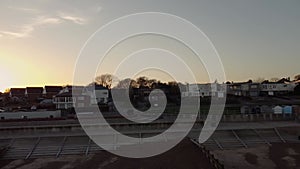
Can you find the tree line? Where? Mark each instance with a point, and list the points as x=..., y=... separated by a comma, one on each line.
x=110, y=81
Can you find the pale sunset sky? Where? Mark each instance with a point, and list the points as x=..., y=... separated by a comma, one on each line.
x=41, y=39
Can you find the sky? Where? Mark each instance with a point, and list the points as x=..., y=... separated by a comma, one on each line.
x=41, y=39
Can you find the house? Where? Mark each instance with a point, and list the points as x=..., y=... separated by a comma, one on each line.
x=234, y=89
x=192, y=90
x=287, y=109
x=33, y=94
x=273, y=89
x=205, y=90
x=250, y=109
x=266, y=109
x=250, y=89
x=50, y=91
x=277, y=110
x=71, y=96
x=244, y=89
x=17, y=92
x=98, y=94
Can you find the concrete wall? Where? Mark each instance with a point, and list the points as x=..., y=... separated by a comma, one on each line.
x=30, y=115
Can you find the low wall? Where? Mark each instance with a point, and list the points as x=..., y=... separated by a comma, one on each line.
x=258, y=117
x=30, y=115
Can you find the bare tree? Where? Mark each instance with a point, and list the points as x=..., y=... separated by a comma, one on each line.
x=105, y=80
x=151, y=82
x=124, y=84
x=142, y=81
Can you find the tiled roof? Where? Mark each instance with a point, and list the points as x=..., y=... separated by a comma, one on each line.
x=53, y=89
x=17, y=91
x=34, y=90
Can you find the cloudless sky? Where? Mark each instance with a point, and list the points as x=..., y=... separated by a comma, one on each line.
x=40, y=39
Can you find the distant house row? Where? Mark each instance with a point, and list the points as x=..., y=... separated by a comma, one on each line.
x=63, y=97
x=256, y=109
x=239, y=89
x=33, y=94
x=204, y=90
x=258, y=89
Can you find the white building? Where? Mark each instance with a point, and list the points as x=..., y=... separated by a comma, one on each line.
x=98, y=94
x=71, y=96
x=277, y=110
x=205, y=90
x=277, y=88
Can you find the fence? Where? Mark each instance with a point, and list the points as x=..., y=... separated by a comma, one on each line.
x=213, y=161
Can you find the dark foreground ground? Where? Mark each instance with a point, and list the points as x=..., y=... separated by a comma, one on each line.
x=276, y=156
x=186, y=155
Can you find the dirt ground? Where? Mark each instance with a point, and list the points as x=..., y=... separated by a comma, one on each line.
x=186, y=155
x=277, y=156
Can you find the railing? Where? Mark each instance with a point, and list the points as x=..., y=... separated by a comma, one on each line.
x=213, y=161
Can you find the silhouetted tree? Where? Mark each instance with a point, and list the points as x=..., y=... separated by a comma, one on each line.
x=105, y=80
x=144, y=81
x=141, y=81
x=123, y=84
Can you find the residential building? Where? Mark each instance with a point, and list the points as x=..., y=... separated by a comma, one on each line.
x=17, y=92
x=277, y=110
x=205, y=90
x=71, y=96
x=98, y=94
x=272, y=89
x=33, y=94
x=235, y=89
x=250, y=89
x=50, y=91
